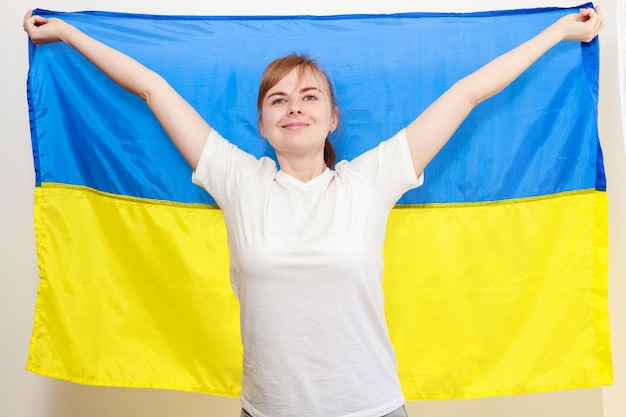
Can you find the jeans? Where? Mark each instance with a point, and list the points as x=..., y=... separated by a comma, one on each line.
x=400, y=412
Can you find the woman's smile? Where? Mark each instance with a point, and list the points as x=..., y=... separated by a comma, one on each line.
x=295, y=125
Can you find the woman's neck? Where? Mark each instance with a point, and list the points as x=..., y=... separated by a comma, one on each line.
x=303, y=169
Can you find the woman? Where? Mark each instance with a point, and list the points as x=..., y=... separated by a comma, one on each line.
x=306, y=240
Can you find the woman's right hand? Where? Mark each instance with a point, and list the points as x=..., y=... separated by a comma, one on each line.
x=42, y=30
x=185, y=127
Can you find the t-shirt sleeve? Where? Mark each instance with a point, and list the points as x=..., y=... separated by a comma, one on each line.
x=389, y=168
x=221, y=166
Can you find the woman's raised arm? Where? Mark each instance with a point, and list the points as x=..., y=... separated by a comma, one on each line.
x=429, y=132
x=185, y=127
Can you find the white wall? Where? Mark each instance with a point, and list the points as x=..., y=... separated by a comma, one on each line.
x=26, y=394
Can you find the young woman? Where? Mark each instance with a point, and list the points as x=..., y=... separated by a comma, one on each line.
x=306, y=239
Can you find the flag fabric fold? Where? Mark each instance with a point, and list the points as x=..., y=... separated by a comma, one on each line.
x=620, y=16
x=495, y=269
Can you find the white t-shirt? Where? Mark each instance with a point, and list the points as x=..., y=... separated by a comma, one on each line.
x=306, y=265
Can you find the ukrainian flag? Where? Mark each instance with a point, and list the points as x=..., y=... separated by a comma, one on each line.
x=496, y=269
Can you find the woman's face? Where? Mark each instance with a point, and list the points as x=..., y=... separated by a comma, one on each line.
x=297, y=114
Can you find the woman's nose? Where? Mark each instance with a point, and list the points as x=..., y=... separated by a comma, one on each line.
x=295, y=109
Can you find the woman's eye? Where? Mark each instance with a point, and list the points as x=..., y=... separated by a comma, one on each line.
x=310, y=98
x=278, y=101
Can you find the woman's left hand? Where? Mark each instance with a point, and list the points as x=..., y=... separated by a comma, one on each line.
x=582, y=26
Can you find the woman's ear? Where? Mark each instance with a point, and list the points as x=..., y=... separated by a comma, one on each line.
x=334, y=119
x=262, y=128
